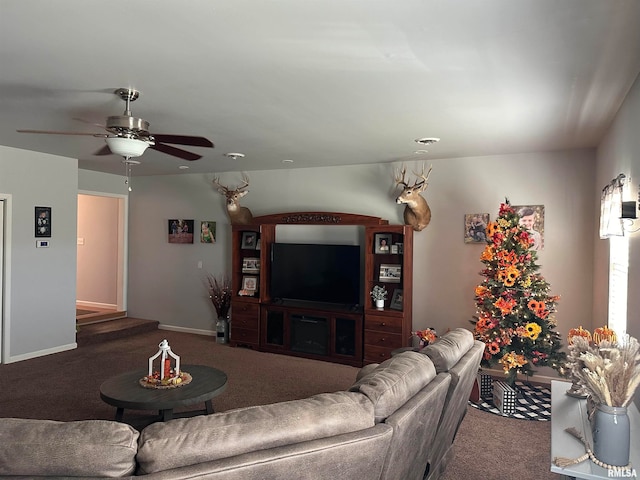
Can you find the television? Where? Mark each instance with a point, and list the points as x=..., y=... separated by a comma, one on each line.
x=315, y=273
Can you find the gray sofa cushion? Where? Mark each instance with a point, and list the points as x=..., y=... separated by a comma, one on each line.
x=205, y=438
x=395, y=381
x=449, y=349
x=92, y=448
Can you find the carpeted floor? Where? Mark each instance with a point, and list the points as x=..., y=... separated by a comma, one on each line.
x=65, y=386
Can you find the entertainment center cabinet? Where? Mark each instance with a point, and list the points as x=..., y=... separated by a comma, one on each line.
x=349, y=334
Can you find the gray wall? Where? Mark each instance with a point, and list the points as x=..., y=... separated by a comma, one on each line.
x=165, y=283
x=40, y=283
x=620, y=153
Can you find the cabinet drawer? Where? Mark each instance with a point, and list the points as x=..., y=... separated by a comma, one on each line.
x=383, y=324
x=382, y=339
x=242, y=335
x=376, y=354
x=246, y=322
x=242, y=308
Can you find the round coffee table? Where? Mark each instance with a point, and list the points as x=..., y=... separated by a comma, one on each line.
x=124, y=391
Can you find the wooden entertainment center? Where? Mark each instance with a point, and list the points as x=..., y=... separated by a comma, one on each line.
x=354, y=336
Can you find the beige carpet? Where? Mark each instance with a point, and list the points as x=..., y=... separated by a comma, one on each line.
x=65, y=386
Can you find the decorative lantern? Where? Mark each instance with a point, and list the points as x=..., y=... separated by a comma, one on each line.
x=165, y=355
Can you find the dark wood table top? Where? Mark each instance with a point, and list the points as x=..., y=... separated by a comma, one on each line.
x=125, y=391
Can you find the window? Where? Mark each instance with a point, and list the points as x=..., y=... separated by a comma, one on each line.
x=618, y=284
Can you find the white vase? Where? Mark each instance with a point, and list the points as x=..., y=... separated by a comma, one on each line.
x=380, y=304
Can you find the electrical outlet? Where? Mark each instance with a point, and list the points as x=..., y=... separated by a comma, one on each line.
x=200, y=264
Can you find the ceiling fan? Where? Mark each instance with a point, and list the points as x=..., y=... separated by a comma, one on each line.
x=129, y=136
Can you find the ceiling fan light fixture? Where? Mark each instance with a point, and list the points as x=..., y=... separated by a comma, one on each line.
x=427, y=140
x=126, y=147
x=234, y=155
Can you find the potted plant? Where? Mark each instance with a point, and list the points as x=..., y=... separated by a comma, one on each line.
x=379, y=295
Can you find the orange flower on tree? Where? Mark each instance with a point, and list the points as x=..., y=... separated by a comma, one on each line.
x=487, y=254
x=512, y=360
x=511, y=275
x=481, y=291
x=505, y=306
x=506, y=259
x=493, y=348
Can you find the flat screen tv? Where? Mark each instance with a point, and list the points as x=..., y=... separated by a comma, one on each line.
x=315, y=273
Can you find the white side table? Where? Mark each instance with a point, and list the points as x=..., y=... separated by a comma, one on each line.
x=568, y=412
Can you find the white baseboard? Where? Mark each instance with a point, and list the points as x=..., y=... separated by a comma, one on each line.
x=173, y=328
x=108, y=306
x=41, y=353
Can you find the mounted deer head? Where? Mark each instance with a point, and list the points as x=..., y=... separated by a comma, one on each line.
x=416, y=211
x=238, y=215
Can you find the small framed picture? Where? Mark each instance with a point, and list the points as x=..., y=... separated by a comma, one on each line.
x=394, y=249
x=250, y=284
x=180, y=231
x=250, y=265
x=249, y=240
x=396, y=299
x=382, y=243
x=390, y=273
x=43, y=222
x=208, y=232
x=475, y=227
x=400, y=248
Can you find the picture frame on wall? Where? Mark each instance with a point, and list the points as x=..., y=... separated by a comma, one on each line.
x=382, y=243
x=390, y=273
x=43, y=222
x=475, y=227
x=180, y=231
x=396, y=299
x=249, y=240
x=532, y=218
x=207, y=231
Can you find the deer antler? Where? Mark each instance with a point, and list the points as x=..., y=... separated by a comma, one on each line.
x=399, y=176
x=221, y=188
x=421, y=175
x=245, y=182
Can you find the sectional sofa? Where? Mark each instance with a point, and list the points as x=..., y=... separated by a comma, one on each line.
x=397, y=421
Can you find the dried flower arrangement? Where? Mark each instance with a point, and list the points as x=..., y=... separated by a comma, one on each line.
x=608, y=372
x=220, y=293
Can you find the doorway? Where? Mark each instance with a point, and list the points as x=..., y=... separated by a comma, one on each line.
x=101, y=257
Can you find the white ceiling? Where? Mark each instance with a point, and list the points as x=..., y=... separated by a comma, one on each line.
x=320, y=82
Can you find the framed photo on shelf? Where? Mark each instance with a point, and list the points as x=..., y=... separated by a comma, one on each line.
x=390, y=273
x=382, y=243
x=250, y=265
x=250, y=284
x=43, y=222
x=400, y=248
x=249, y=240
x=396, y=299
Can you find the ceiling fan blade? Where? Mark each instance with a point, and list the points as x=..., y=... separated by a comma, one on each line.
x=102, y=135
x=89, y=123
x=176, y=152
x=103, y=151
x=183, y=140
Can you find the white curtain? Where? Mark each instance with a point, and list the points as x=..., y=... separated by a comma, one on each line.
x=611, y=209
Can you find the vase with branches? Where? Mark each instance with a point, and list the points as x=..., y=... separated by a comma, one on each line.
x=220, y=294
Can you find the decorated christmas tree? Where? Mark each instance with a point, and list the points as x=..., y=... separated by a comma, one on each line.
x=514, y=308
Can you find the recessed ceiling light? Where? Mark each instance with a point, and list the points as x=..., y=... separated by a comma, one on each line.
x=427, y=140
x=421, y=152
x=287, y=160
x=234, y=155
x=183, y=167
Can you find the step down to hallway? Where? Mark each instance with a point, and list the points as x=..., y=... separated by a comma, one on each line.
x=113, y=329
